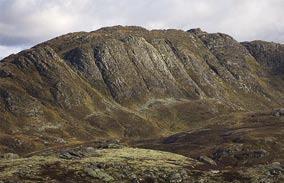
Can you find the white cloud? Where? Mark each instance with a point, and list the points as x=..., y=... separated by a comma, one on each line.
x=8, y=50
x=27, y=22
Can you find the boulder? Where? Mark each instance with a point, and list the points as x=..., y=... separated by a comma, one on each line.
x=278, y=112
x=10, y=156
x=207, y=160
x=98, y=174
x=71, y=154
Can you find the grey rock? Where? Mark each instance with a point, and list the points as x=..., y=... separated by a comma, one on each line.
x=90, y=150
x=278, y=112
x=10, y=156
x=112, y=144
x=276, y=169
x=98, y=174
x=207, y=160
x=71, y=154
x=175, y=178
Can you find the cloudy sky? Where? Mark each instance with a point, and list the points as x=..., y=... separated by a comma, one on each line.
x=24, y=23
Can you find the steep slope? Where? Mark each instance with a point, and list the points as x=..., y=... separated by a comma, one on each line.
x=270, y=55
x=126, y=82
x=43, y=101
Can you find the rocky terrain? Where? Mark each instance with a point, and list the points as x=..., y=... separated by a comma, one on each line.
x=89, y=106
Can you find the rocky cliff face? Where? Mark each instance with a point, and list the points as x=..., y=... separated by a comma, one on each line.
x=269, y=55
x=128, y=82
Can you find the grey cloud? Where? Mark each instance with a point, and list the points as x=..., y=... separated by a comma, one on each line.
x=27, y=22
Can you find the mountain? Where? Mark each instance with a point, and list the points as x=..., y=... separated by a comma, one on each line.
x=128, y=82
x=188, y=92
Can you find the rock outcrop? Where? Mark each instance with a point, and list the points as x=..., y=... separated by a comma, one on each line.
x=268, y=54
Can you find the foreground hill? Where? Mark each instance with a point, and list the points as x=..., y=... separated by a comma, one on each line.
x=131, y=83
